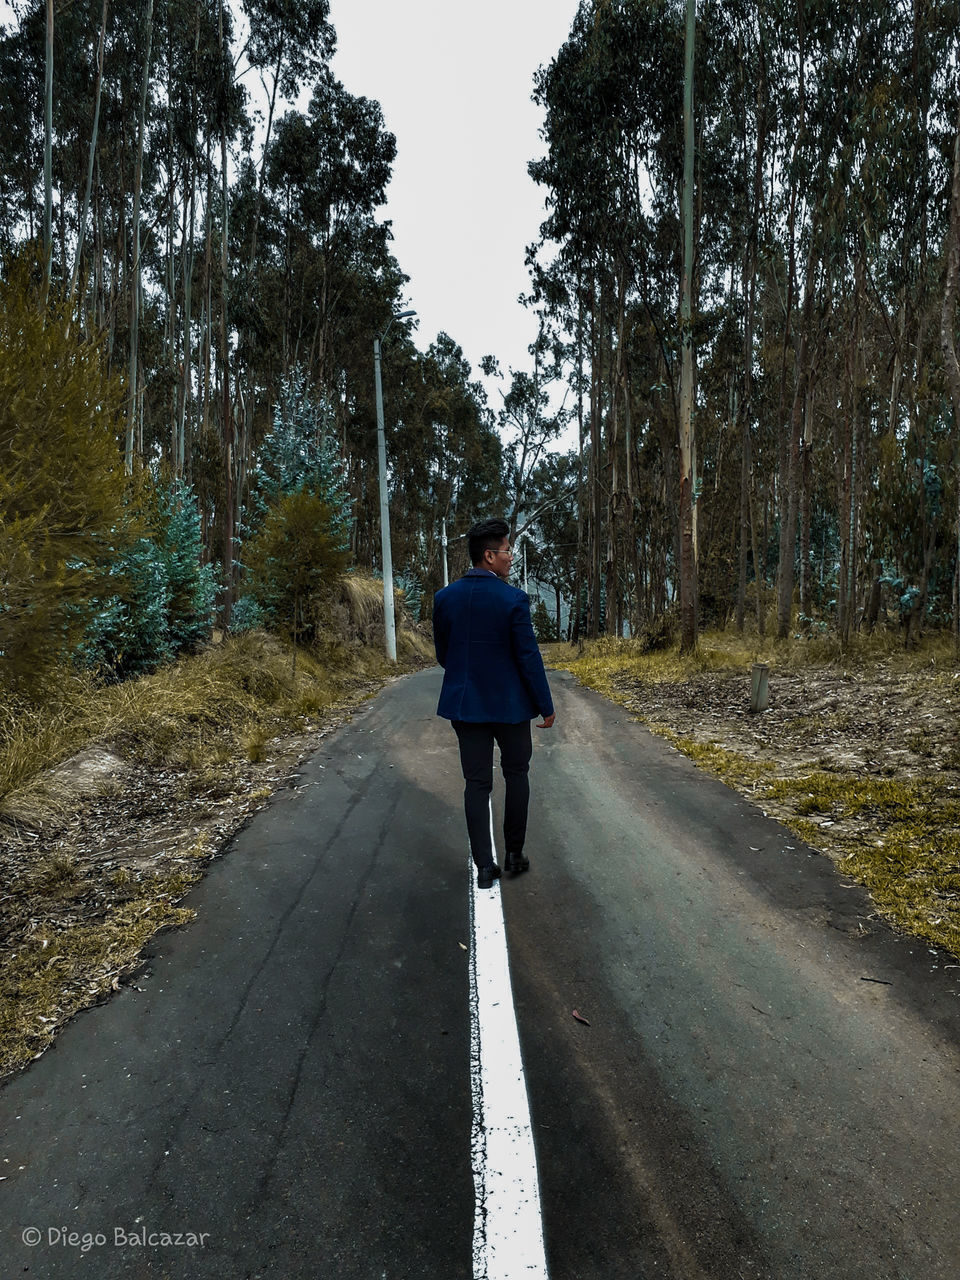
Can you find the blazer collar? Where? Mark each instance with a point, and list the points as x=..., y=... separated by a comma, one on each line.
x=474, y=572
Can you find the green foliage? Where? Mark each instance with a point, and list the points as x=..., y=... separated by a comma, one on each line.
x=412, y=588
x=544, y=627
x=246, y=615
x=190, y=582
x=163, y=596
x=63, y=517
x=300, y=452
x=129, y=634
x=295, y=561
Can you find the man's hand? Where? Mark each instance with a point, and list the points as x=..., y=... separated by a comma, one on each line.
x=547, y=722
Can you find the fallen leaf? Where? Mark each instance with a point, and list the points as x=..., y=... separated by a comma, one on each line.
x=580, y=1018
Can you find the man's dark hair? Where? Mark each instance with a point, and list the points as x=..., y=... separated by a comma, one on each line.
x=486, y=534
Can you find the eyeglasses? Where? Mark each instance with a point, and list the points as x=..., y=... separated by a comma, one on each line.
x=501, y=552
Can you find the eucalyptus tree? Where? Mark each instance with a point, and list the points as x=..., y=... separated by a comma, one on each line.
x=327, y=174
x=614, y=168
x=551, y=542
x=528, y=424
x=948, y=323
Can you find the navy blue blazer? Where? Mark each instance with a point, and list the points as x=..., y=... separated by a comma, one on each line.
x=484, y=639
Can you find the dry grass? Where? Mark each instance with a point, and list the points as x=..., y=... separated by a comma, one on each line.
x=239, y=693
x=729, y=651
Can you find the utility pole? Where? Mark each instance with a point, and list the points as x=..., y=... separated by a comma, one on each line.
x=389, y=620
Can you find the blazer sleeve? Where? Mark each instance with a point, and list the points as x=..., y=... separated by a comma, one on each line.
x=527, y=653
x=441, y=631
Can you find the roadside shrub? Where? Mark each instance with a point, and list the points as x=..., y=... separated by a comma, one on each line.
x=294, y=564
x=544, y=627
x=162, y=597
x=246, y=615
x=63, y=514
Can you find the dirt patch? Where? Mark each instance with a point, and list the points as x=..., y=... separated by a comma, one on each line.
x=881, y=723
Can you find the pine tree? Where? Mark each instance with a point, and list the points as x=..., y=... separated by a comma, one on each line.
x=130, y=633
x=191, y=583
x=162, y=597
x=300, y=452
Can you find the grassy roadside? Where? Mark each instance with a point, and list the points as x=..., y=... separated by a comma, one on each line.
x=113, y=801
x=859, y=754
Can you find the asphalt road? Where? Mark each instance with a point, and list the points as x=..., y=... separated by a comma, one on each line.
x=769, y=1085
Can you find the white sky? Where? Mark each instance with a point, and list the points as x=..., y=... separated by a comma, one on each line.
x=454, y=78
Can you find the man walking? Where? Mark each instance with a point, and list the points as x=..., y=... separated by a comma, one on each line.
x=494, y=684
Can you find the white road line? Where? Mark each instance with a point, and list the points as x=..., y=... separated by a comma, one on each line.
x=507, y=1229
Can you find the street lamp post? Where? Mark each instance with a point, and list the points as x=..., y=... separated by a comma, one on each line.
x=389, y=622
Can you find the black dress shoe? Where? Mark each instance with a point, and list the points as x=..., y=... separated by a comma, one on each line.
x=487, y=875
x=515, y=863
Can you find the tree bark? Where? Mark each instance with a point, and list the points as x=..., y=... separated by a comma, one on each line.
x=948, y=314
x=48, y=152
x=82, y=226
x=133, y=376
x=226, y=424
x=687, y=439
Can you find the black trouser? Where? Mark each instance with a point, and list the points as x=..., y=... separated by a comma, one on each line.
x=476, y=760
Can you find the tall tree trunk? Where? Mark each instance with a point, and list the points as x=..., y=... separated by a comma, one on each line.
x=206, y=319
x=48, y=152
x=746, y=468
x=82, y=226
x=791, y=470
x=948, y=318
x=226, y=422
x=687, y=440
x=595, y=445
x=759, y=570
x=789, y=502
x=581, y=512
x=133, y=376
x=806, y=485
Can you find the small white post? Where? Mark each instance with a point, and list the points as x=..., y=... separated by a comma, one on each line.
x=759, y=687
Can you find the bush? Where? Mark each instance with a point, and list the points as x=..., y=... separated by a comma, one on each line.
x=544, y=627
x=658, y=634
x=295, y=563
x=130, y=635
x=162, y=597
x=63, y=515
x=246, y=615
